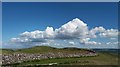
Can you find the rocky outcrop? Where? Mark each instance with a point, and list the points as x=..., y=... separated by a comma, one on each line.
x=20, y=57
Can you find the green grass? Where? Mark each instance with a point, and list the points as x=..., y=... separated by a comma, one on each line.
x=44, y=49
x=103, y=58
x=6, y=51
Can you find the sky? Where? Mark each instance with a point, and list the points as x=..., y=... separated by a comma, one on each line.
x=77, y=24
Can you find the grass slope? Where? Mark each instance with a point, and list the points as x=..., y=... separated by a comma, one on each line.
x=6, y=51
x=103, y=58
x=44, y=49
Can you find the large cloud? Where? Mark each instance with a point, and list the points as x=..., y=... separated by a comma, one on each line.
x=75, y=29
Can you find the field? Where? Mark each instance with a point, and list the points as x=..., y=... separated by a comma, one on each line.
x=103, y=58
x=43, y=49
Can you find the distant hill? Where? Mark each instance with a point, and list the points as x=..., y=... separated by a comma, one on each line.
x=45, y=49
x=6, y=51
x=47, y=55
x=110, y=51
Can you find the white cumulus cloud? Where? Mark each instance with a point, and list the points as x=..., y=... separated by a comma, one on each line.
x=49, y=33
x=88, y=42
x=110, y=33
x=95, y=30
x=74, y=29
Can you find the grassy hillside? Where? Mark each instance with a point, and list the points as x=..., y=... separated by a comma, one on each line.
x=103, y=58
x=44, y=49
x=6, y=51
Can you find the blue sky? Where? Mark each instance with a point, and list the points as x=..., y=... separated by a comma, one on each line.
x=19, y=17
